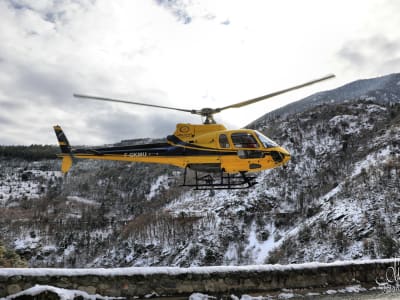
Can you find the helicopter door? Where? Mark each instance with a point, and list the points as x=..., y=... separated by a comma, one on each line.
x=246, y=140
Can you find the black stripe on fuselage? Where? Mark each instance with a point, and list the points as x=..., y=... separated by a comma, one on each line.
x=161, y=149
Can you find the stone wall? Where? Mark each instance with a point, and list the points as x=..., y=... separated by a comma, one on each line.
x=169, y=281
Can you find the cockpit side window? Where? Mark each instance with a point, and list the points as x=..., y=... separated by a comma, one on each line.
x=223, y=141
x=244, y=140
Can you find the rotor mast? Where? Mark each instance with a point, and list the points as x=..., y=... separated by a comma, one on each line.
x=207, y=113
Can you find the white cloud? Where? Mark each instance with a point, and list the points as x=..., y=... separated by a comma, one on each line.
x=181, y=53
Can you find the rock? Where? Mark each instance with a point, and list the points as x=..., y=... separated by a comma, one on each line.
x=13, y=289
x=46, y=295
x=88, y=289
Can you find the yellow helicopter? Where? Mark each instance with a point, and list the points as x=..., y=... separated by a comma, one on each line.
x=224, y=156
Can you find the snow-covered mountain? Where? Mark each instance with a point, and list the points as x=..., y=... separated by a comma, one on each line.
x=383, y=89
x=338, y=198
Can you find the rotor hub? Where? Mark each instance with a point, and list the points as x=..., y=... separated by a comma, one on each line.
x=208, y=113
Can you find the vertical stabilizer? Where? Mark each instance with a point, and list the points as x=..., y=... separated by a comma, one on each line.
x=65, y=149
x=66, y=163
x=62, y=140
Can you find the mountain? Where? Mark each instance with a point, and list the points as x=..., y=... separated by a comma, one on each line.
x=383, y=89
x=338, y=198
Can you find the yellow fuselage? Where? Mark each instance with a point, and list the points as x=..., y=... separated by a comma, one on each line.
x=208, y=148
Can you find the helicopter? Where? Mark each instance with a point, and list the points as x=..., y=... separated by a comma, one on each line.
x=220, y=158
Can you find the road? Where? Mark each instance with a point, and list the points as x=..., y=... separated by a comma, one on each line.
x=362, y=296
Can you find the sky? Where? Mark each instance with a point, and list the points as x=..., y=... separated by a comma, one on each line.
x=181, y=53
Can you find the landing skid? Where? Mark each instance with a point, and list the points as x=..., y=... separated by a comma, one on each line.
x=224, y=181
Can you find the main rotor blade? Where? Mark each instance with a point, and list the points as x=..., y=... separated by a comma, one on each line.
x=254, y=100
x=129, y=102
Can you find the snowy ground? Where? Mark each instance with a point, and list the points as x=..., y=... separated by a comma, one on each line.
x=64, y=294
x=350, y=292
x=20, y=183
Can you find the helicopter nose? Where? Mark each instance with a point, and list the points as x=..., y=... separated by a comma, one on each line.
x=281, y=156
x=286, y=159
x=284, y=152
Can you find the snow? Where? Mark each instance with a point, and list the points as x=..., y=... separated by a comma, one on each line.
x=248, y=297
x=70, y=249
x=27, y=242
x=64, y=294
x=371, y=160
x=24, y=183
x=161, y=183
x=82, y=200
x=49, y=248
x=231, y=254
x=286, y=295
x=341, y=118
x=371, y=108
x=130, y=271
x=198, y=202
x=289, y=294
x=199, y=296
x=313, y=294
x=353, y=289
x=152, y=295
x=260, y=250
x=351, y=124
x=332, y=192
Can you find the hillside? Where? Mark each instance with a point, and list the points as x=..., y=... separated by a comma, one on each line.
x=383, y=89
x=338, y=198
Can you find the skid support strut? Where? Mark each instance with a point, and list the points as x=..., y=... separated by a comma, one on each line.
x=223, y=181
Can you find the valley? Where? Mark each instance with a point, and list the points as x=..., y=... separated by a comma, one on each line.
x=338, y=199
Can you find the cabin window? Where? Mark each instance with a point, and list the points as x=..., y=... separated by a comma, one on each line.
x=244, y=140
x=223, y=141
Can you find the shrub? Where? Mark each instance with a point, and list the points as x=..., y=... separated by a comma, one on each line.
x=10, y=259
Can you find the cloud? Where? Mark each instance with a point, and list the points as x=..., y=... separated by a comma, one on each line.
x=352, y=56
x=115, y=125
x=178, y=8
x=189, y=11
x=4, y=121
x=226, y=22
x=377, y=52
x=179, y=53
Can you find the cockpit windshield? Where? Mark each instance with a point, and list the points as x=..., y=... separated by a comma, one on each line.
x=268, y=143
x=244, y=140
